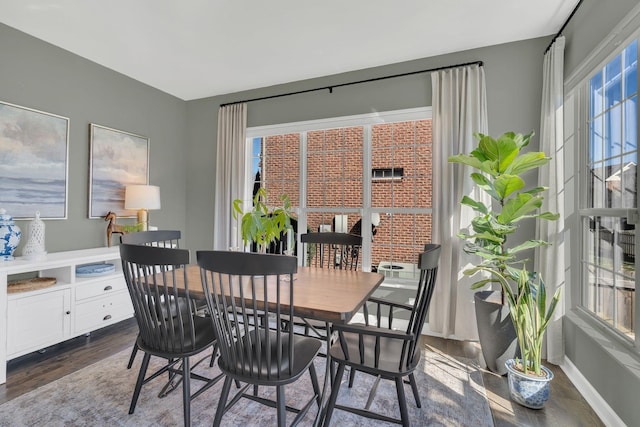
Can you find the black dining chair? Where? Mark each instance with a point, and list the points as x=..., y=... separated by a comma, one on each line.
x=160, y=238
x=238, y=288
x=328, y=250
x=332, y=250
x=169, y=323
x=383, y=351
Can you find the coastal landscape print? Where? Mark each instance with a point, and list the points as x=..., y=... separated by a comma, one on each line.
x=117, y=159
x=33, y=162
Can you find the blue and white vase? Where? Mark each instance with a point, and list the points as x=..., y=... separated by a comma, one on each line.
x=9, y=236
x=527, y=390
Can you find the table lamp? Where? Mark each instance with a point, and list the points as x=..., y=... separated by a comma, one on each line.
x=143, y=198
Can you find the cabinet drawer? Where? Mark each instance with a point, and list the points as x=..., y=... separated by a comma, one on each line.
x=100, y=287
x=101, y=312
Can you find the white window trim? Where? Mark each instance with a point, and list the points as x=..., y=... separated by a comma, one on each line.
x=577, y=91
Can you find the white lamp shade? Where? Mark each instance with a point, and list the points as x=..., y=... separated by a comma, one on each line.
x=142, y=197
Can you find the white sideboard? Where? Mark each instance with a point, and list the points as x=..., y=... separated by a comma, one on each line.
x=75, y=305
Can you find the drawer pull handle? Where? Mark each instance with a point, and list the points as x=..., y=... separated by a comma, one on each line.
x=107, y=317
x=108, y=288
x=68, y=312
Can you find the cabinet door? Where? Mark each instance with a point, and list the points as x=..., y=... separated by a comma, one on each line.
x=37, y=321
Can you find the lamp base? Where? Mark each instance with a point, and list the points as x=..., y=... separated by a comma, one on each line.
x=143, y=218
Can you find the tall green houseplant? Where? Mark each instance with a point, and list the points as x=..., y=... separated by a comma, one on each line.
x=261, y=225
x=499, y=166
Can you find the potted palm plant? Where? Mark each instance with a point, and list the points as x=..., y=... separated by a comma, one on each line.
x=260, y=225
x=499, y=166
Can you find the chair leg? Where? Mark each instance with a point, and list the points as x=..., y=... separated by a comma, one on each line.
x=139, y=382
x=282, y=411
x=352, y=375
x=335, y=388
x=186, y=392
x=315, y=384
x=134, y=351
x=224, y=395
x=404, y=413
x=414, y=387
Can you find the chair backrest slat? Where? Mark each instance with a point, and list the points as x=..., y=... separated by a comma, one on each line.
x=245, y=291
x=332, y=250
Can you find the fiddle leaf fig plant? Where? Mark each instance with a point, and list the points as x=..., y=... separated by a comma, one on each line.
x=261, y=225
x=499, y=166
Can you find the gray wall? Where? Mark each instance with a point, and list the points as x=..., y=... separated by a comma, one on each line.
x=588, y=348
x=38, y=75
x=514, y=84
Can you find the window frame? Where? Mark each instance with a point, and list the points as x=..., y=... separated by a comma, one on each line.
x=577, y=97
x=367, y=121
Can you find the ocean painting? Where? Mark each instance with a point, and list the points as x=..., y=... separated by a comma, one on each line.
x=117, y=159
x=33, y=162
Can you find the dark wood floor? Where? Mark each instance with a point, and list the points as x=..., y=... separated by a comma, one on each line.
x=565, y=408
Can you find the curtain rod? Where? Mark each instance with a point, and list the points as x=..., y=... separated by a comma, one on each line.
x=330, y=88
x=573, y=12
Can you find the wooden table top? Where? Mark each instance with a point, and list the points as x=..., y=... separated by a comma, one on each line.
x=320, y=294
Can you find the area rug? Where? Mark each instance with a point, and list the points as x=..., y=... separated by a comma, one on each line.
x=451, y=390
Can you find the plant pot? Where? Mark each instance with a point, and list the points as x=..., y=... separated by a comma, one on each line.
x=528, y=390
x=496, y=331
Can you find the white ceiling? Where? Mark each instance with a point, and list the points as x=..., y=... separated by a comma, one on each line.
x=198, y=48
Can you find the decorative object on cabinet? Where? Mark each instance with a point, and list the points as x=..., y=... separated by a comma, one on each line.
x=9, y=236
x=34, y=249
x=113, y=228
x=116, y=159
x=30, y=284
x=143, y=198
x=90, y=270
x=34, y=171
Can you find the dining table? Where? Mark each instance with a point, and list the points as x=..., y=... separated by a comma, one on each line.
x=329, y=295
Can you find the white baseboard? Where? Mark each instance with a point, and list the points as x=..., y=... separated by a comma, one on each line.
x=599, y=405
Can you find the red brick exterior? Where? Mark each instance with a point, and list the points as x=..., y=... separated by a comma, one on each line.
x=334, y=180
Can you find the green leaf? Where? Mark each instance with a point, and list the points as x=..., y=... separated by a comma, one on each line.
x=476, y=206
x=519, y=206
x=549, y=216
x=536, y=190
x=529, y=244
x=503, y=150
x=506, y=184
x=526, y=162
x=485, y=184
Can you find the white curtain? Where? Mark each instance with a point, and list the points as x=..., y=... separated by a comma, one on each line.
x=231, y=173
x=459, y=110
x=549, y=260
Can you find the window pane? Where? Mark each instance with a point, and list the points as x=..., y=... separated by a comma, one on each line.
x=597, y=195
x=595, y=134
x=595, y=86
x=610, y=271
x=631, y=69
x=613, y=82
x=630, y=124
x=613, y=131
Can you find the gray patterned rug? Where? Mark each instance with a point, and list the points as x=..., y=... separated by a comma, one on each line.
x=451, y=390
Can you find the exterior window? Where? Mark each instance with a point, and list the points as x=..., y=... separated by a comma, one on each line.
x=610, y=212
x=366, y=177
x=387, y=173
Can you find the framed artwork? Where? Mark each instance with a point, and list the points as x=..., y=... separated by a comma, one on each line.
x=34, y=155
x=116, y=159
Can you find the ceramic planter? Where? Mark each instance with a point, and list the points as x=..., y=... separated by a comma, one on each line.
x=497, y=335
x=527, y=390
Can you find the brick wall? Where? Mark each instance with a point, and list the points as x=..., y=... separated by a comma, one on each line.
x=334, y=180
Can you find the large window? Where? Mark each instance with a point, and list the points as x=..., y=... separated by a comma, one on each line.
x=608, y=212
x=368, y=175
